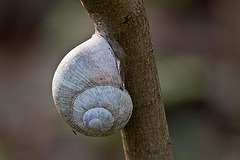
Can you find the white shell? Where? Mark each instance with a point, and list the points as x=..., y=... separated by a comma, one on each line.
x=87, y=89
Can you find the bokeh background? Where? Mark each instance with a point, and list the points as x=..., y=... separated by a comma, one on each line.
x=197, y=48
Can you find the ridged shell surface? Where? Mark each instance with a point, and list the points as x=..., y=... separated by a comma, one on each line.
x=87, y=89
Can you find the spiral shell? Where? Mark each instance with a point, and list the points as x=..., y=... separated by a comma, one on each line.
x=87, y=89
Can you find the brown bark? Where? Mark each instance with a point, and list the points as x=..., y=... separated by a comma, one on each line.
x=146, y=136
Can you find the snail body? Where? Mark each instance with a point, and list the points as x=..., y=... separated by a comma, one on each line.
x=88, y=90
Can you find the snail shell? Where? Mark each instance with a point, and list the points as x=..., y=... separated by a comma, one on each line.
x=87, y=89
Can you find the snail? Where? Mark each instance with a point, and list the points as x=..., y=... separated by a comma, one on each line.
x=88, y=90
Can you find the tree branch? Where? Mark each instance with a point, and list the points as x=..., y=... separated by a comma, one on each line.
x=146, y=136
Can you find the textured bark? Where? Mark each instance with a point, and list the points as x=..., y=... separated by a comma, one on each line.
x=146, y=136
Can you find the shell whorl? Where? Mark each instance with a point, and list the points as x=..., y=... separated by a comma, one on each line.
x=98, y=120
x=87, y=89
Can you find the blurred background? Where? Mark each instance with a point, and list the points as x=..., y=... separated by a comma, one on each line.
x=197, y=48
